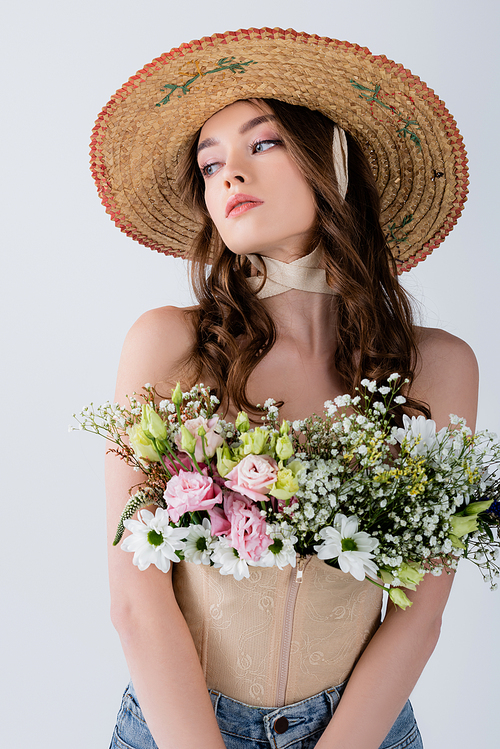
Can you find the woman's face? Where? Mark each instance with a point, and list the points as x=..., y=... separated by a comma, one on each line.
x=257, y=197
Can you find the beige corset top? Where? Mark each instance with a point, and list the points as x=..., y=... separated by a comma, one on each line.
x=281, y=635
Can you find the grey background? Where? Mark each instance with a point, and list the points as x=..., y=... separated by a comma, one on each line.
x=73, y=285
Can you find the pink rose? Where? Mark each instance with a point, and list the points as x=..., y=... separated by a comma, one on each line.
x=248, y=527
x=253, y=476
x=219, y=522
x=213, y=439
x=190, y=491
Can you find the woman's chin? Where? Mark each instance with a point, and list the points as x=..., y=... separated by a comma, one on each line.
x=279, y=250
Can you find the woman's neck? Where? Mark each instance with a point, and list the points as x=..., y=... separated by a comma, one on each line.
x=305, y=319
x=301, y=303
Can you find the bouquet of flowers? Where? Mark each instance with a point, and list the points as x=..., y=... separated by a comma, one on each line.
x=379, y=501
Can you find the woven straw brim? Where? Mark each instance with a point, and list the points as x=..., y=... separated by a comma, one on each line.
x=411, y=141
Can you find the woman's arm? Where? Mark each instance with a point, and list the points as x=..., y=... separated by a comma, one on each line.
x=160, y=652
x=394, y=659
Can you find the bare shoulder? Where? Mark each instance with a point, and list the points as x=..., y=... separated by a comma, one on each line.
x=162, y=325
x=155, y=348
x=447, y=375
x=441, y=352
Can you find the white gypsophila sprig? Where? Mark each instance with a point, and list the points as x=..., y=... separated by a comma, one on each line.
x=319, y=482
x=226, y=429
x=370, y=385
x=271, y=415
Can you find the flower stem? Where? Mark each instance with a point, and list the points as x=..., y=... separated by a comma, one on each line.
x=166, y=469
x=175, y=458
x=195, y=463
x=379, y=585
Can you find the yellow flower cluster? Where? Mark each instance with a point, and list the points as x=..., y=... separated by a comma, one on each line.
x=473, y=476
x=414, y=468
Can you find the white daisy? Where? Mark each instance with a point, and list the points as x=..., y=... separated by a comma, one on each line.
x=352, y=547
x=420, y=433
x=282, y=551
x=153, y=540
x=199, y=543
x=227, y=560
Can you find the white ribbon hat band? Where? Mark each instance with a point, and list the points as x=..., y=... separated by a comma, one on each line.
x=340, y=159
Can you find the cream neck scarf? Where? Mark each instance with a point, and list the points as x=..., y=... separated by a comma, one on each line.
x=302, y=274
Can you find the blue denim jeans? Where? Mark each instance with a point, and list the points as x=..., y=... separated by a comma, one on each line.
x=297, y=726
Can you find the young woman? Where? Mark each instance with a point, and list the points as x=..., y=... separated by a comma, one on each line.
x=298, y=301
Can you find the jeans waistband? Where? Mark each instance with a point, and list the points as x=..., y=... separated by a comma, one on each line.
x=280, y=726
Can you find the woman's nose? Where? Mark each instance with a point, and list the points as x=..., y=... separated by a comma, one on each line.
x=235, y=171
x=234, y=177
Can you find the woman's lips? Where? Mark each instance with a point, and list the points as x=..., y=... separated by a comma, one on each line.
x=238, y=204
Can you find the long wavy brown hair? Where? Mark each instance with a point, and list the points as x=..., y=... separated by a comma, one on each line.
x=376, y=334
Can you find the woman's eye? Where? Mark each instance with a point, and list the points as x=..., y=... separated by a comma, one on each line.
x=264, y=145
x=209, y=169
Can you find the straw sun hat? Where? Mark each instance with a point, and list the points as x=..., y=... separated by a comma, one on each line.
x=411, y=141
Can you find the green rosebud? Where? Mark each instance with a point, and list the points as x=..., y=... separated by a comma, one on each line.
x=455, y=542
x=285, y=427
x=142, y=446
x=284, y=447
x=286, y=484
x=296, y=466
x=188, y=441
x=386, y=576
x=476, y=507
x=152, y=424
x=410, y=575
x=177, y=395
x=202, y=431
x=399, y=598
x=253, y=443
x=462, y=525
x=225, y=462
x=242, y=422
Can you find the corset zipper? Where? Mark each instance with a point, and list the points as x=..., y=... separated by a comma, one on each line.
x=286, y=635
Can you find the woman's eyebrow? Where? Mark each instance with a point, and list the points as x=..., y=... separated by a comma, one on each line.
x=256, y=121
x=208, y=142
